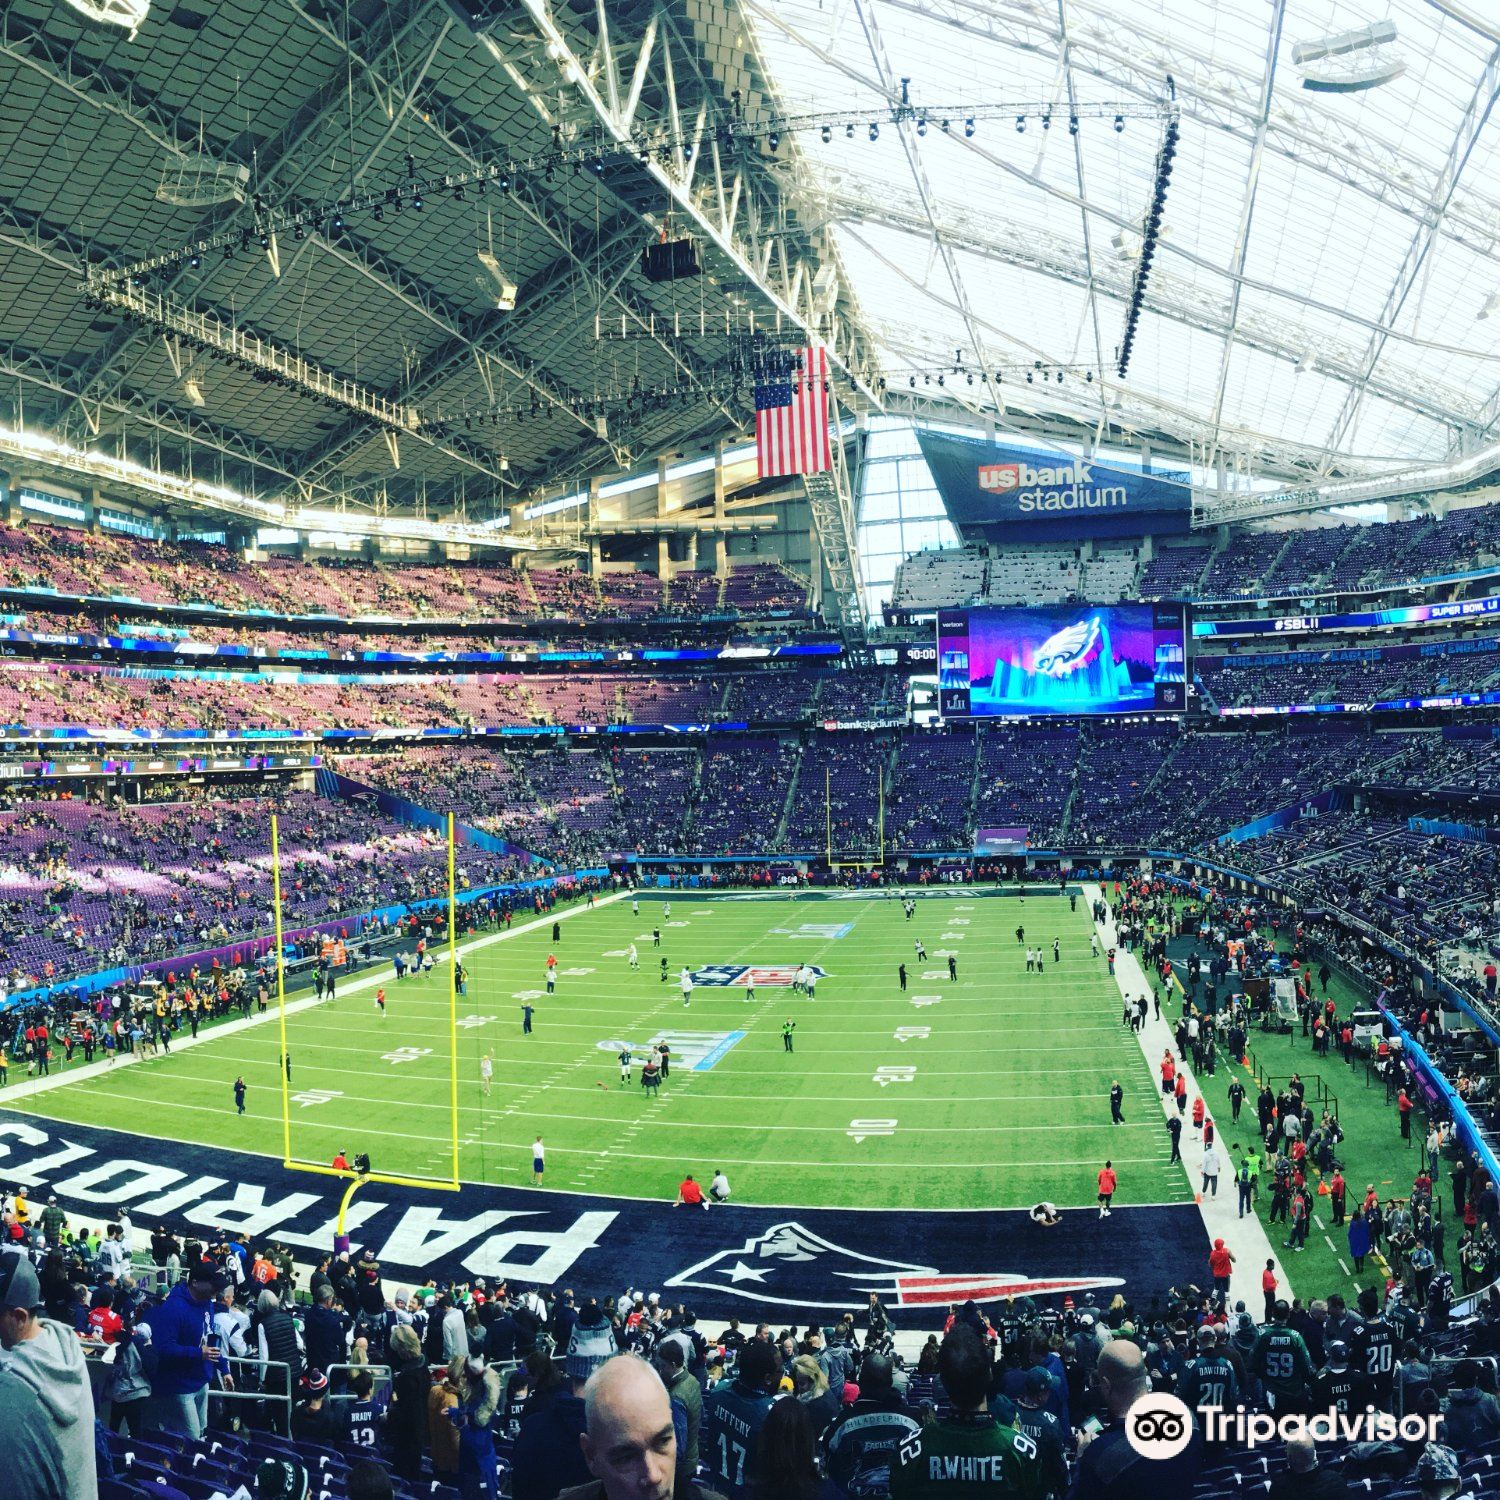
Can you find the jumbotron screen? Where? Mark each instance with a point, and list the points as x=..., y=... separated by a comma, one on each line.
x=1060, y=659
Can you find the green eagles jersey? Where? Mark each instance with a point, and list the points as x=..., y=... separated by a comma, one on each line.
x=967, y=1457
x=1281, y=1360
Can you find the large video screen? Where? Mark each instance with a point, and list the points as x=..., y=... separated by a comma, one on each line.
x=1060, y=659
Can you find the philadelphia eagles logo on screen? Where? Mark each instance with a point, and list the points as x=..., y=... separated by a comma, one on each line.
x=1068, y=649
x=793, y=1266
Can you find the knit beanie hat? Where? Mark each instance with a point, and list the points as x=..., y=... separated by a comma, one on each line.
x=592, y=1343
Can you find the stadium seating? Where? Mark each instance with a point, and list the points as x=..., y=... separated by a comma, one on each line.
x=935, y=580
x=83, y=885
x=76, y=562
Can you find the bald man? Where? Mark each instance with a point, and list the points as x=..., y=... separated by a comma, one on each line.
x=1109, y=1467
x=1304, y=1478
x=630, y=1443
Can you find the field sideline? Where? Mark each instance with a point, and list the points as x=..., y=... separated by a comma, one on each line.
x=986, y=1092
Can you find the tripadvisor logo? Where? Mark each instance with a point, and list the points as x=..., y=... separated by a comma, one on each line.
x=1160, y=1426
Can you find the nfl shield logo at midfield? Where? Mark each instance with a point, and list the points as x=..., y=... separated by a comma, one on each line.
x=772, y=976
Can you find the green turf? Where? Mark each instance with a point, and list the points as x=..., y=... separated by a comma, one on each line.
x=1008, y=1104
x=1373, y=1150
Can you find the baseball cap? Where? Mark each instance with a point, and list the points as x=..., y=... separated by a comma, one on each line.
x=18, y=1284
x=281, y=1479
x=207, y=1271
x=1038, y=1381
x=1338, y=1352
x=1436, y=1463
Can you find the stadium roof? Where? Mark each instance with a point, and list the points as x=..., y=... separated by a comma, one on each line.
x=1324, y=298
x=1325, y=294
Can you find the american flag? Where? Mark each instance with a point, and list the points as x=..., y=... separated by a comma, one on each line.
x=791, y=419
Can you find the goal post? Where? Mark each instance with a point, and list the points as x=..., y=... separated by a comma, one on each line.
x=293, y=1163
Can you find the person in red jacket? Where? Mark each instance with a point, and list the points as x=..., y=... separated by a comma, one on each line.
x=1168, y=1068
x=1404, y=1107
x=1107, y=1183
x=1181, y=1093
x=1220, y=1263
x=1198, y=1110
x=1268, y=1286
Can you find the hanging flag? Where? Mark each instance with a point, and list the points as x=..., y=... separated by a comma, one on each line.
x=791, y=419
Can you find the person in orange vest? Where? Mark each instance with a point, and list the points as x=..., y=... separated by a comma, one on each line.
x=380, y=999
x=341, y=1163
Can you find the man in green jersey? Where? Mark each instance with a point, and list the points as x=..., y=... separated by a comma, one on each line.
x=968, y=1456
x=1281, y=1362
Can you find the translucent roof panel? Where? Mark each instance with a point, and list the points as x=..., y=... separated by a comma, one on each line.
x=1323, y=281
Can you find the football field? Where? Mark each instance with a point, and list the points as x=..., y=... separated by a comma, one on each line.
x=988, y=1091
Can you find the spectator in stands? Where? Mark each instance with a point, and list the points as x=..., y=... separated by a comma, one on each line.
x=970, y=1436
x=406, y=1420
x=547, y=1455
x=629, y=1443
x=46, y=1404
x=671, y=1365
x=1470, y=1419
x=1108, y=1466
x=188, y=1355
x=785, y=1465
x=325, y=1333
x=1304, y=1478
x=734, y=1413
x=860, y=1446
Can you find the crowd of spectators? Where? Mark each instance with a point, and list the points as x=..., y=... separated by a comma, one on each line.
x=105, y=564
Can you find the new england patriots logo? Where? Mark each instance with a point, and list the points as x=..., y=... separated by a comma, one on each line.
x=1069, y=649
x=791, y=1266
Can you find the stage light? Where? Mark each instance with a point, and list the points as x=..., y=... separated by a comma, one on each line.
x=827, y=134
x=849, y=131
x=379, y=214
x=338, y=223
x=417, y=203
x=1047, y=121
x=1072, y=124
x=874, y=131
x=1119, y=123
x=921, y=127
x=969, y=128
x=774, y=141
x=194, y=261
x=1020, y=125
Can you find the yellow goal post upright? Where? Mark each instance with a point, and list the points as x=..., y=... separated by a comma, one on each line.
x=356, y=1180
x=853, y=859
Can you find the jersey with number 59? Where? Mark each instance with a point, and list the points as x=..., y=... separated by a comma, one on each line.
x=1281, y=1360
x=967, y=1457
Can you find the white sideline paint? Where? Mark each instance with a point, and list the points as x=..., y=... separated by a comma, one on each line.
x=1246, y=1238
x=370, y=980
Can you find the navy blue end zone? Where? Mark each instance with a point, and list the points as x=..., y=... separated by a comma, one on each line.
x=795, y=1264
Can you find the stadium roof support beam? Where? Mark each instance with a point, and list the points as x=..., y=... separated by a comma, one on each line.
x=273, y=158
x=1169, y=296
x=1132, y=58
x=1477, y=112
x=907, y=133
x=722, y=209
x=1247, y=209
x=831, y=498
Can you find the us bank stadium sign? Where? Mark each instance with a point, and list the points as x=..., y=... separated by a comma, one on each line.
x=1034, y=492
